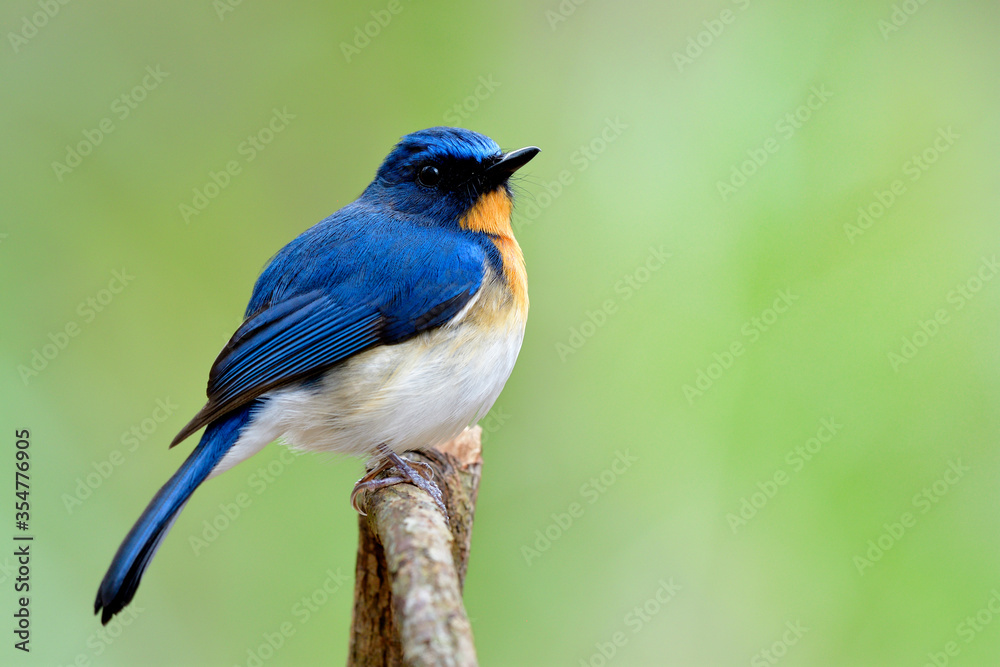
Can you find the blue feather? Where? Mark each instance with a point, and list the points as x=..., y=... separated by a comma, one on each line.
x=343, y=286
x=383, y=269
x=139, y=547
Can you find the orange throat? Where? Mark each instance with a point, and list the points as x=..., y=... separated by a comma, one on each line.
x=491, y=215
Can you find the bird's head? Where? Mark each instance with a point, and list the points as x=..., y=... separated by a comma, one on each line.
x=450, y=177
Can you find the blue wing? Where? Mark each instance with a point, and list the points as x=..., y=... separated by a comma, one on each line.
x=344, y=286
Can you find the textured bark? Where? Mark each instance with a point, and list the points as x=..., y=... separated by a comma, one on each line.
x=412, y=562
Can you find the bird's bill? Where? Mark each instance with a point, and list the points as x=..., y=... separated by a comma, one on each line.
x=511, y=162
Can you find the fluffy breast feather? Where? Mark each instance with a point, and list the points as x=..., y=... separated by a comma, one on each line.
x=415, y=394
x=491, y=216
x=419, y=393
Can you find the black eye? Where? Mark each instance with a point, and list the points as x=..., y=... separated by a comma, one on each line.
x=429, y=176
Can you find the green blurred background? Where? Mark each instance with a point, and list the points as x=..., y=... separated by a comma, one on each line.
x=696, y=492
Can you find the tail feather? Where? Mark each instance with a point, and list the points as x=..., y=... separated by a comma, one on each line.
x=140, y=545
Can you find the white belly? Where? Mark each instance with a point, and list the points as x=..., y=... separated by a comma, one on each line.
x=415, y=394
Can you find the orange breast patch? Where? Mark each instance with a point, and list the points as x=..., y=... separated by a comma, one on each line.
x=491, y=215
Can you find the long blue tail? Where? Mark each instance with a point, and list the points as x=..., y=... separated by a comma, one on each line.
x=137, y=550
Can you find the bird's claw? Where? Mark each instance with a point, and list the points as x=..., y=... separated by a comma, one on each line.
x=406, y=473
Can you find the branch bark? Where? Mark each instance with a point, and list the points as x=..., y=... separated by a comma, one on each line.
x=412, y=562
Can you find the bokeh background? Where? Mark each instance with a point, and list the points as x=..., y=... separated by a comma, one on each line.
x=773, y=417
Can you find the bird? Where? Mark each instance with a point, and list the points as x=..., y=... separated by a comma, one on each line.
x=391, y=325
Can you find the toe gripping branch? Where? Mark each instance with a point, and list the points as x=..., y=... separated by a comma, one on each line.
x=391, y=469
x=412, y=558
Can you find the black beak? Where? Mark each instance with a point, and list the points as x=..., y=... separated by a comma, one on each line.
x=510, y=162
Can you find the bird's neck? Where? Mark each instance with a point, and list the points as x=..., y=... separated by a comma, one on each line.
x=491, y=216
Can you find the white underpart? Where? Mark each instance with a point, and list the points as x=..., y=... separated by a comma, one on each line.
x=416, y=394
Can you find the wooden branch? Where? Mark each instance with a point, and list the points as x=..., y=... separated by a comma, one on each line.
x=411, y=565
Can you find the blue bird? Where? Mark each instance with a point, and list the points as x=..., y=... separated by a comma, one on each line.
x=389, y=326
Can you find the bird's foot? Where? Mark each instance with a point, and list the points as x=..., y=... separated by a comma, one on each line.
x=405, y=473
